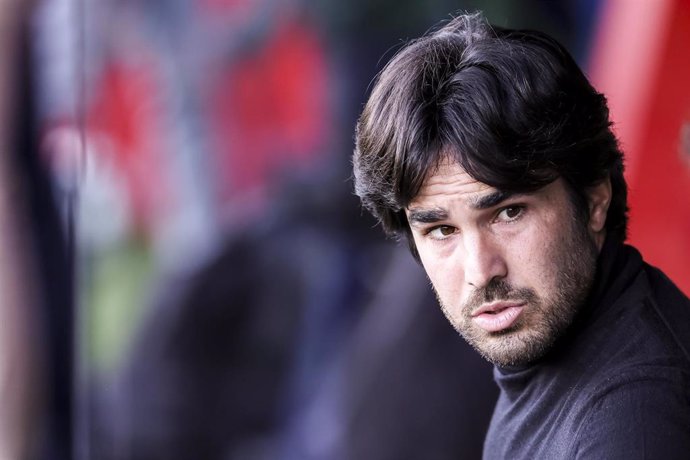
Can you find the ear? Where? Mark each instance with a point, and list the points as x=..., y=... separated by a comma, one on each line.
x=599, y=198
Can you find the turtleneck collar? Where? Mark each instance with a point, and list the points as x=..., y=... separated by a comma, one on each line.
x=617, y=267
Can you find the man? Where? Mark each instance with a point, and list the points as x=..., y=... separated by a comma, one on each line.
x=492, y=154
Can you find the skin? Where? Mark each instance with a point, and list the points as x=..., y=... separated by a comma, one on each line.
x=502, y=264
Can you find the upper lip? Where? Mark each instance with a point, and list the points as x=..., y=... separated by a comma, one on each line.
x=497, y=306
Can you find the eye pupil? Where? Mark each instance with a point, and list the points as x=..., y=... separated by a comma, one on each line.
x=445, y=230
x=512, y=212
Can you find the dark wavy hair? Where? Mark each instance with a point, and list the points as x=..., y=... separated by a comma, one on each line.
x=513, y=108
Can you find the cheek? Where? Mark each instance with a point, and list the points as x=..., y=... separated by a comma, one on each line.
x=445, y=274
x=530, y=259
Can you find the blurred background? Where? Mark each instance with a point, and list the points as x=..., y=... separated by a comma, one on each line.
x=186, y=271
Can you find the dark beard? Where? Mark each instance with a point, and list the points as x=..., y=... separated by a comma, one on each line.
x=544, y=320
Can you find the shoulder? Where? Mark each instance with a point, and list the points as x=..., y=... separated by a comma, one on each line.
x=670, y=304
x=643, y=413
x=638, y=404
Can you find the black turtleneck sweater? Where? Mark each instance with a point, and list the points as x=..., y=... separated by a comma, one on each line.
x=615, y=386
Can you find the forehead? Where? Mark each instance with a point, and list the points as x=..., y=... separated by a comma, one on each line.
x=450, y=182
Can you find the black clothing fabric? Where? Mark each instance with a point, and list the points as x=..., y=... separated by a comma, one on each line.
x=616, y=386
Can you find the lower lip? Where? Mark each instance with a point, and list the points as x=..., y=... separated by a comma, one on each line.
x=495, y=322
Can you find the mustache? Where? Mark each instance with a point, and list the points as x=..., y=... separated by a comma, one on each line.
x=498, y=289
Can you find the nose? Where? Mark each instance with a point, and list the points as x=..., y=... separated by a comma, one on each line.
x=484, y=260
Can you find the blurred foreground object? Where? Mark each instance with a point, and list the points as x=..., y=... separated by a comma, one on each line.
x=289, y=346
x=18, y=310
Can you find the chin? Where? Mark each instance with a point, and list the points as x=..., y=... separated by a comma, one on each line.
x=512, y=348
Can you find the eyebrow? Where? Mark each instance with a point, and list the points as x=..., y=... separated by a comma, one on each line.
x=430, y=216
x=490, y=200
x=426, y=216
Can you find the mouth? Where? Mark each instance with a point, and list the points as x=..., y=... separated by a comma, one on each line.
x=497, y=316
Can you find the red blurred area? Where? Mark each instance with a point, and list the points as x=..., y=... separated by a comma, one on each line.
x=269, y=109
x=124, y=111
x=642, y=63
x=263, y=105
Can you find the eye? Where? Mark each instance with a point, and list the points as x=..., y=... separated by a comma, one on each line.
x=510, y=213
x=441, y=232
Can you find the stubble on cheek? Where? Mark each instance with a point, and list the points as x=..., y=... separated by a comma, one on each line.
x=544, y=319
x=507, y=347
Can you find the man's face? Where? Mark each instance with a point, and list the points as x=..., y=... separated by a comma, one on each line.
x=510, y=270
